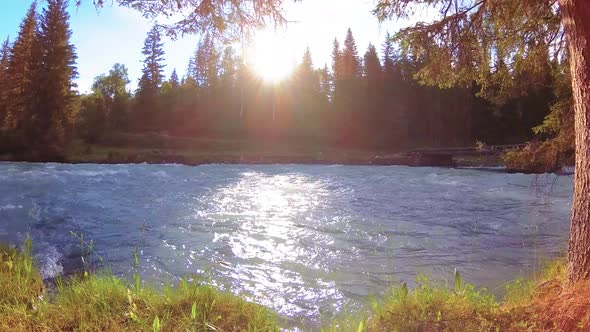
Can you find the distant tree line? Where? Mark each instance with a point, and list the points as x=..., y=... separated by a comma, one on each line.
x=373, y=101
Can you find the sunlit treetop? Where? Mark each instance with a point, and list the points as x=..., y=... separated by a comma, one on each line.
x=487, y=41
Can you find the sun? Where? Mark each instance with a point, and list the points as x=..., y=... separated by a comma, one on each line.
x=270, y=56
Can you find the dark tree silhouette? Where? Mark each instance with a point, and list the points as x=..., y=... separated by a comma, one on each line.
x=55, y=106
x=147, y=109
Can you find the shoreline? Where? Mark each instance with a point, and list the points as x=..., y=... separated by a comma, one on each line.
x=177, y=157
x=458, y=162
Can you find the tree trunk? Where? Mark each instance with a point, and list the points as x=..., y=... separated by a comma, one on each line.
x=576, y=14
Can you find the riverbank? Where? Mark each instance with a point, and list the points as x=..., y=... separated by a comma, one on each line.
x=103, y=302
x=160, y=149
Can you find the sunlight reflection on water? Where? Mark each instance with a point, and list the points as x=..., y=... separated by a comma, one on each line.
x=271, y=210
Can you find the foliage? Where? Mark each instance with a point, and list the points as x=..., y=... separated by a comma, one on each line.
x=38, y=99
x=102, y=302
x=147, y=106
x=22, y=61
x=55, y=107
x=462, y=307
x=106, y=108
x=226, y=18
x=510, y=50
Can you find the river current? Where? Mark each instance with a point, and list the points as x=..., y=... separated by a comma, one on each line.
x=306, y=241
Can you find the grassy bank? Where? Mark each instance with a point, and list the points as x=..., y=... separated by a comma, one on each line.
x=102, y=302
x=157, y=148
x=94, y=302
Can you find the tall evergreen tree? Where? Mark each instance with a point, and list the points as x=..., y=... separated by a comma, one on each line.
x=203, y=67
x=373, y=96
x=174, y=82
x=306, y=72
x=351, y=64
x=348, y=95
x=147, y=106
x=371, y=64
x=23, y=59
x=307, y=100
x=55, y=106
x=228, y=68
x=336, y=60
x=152, y=72
x=326, y=82
x=388, y=56
x=4, y=57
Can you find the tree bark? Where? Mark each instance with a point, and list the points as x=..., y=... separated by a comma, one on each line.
x=576, y=20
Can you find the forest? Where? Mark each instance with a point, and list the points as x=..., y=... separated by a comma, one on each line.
x=371, y=101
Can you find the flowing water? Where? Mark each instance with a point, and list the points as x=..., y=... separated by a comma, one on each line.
x=306, y=241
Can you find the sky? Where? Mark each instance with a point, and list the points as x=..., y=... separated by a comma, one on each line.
x=116, y=34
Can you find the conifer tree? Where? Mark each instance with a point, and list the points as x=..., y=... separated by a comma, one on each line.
x=147, y=103
x=22, y=60
x=388, y=56
x=351, y=64
x=55, y=106
x=373, y=95
x=4, y=56
x=228, y=68
x=326, y=82
x=348, y=95
x=336, y=60
x=174, y=79
x=152, y=72
x=307, y=75
x=203, y=67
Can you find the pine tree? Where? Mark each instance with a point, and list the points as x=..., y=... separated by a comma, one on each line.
x=326, y=83
x=147, y=102
x=371, y=64
x=348, y=95
x=212, y=73
x=203, y=67
x=373, y=95
x=22, y=61
x=174, y=79
x=351, y=64
x=307, y=90
x=4, y=57
x=228, y=68
x=336, y=60
x=55, y=108
x=307, y=75
x=388, y=56
x=152, y=72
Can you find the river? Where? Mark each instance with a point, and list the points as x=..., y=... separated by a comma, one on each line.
x=306, y=241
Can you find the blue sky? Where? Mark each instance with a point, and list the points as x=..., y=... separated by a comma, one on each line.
x=116, y=34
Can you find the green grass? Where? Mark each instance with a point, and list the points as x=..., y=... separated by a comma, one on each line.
x=102, y=302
